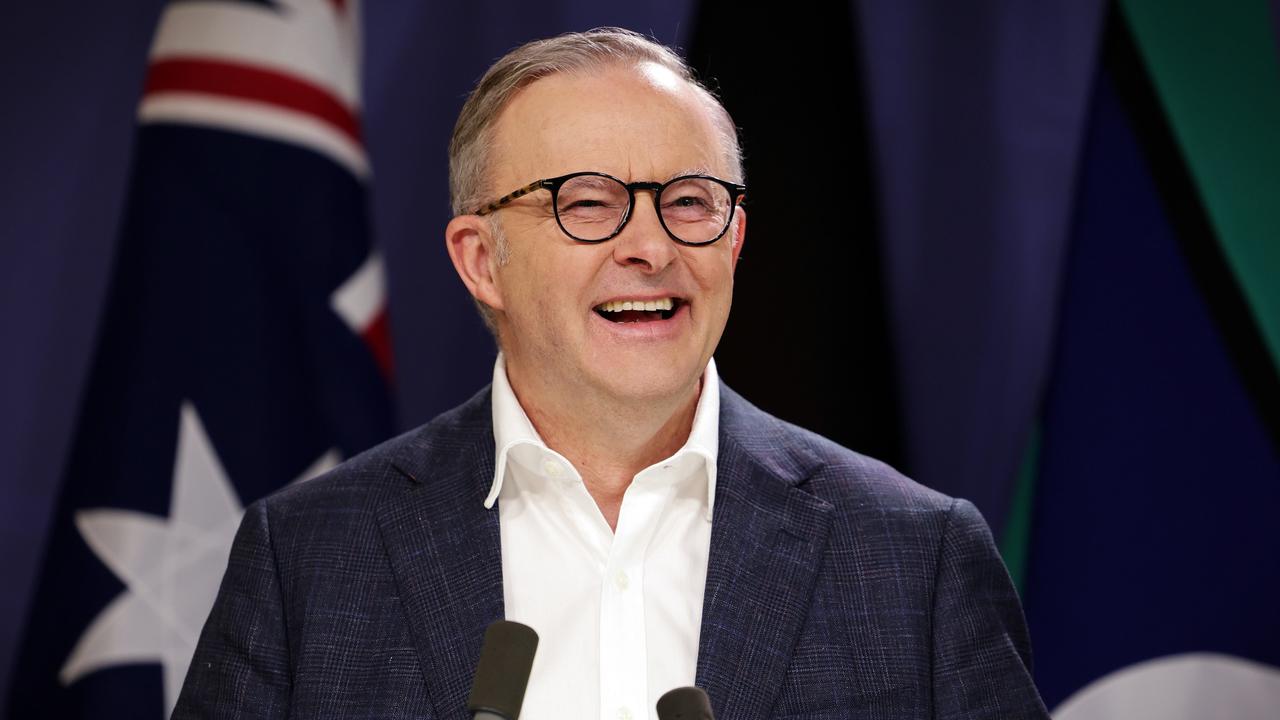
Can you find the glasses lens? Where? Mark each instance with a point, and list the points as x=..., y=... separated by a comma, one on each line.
x=591, y=207
x=696, y=210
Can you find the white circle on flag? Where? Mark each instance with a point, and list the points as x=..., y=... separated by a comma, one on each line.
x=1191, y=686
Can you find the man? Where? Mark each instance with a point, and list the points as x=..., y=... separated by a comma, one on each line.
x=655, y=528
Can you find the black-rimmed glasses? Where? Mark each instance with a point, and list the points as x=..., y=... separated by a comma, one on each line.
x=593, y=207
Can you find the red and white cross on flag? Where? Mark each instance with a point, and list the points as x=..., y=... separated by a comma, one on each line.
x=244, y=345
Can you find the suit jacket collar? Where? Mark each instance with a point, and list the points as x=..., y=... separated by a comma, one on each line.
x=767, y=537
x=445, y=549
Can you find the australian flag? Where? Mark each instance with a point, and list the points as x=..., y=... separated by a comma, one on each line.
x=243, y=346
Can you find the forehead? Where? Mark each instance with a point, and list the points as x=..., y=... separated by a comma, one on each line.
x=637, y=122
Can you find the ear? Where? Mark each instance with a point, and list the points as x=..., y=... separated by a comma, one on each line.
x=738, y=233
x=470, y=242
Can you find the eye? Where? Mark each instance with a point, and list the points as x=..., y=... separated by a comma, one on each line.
x=688, y=201
x=591, y=195
x=583, y=203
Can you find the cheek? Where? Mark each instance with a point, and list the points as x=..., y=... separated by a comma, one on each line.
x=713, y=274
x=527, y=274
x=545, y=293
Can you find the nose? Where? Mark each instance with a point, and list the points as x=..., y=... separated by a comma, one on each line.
x=644, y=243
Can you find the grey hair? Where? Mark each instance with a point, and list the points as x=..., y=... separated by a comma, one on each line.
x=472, y=141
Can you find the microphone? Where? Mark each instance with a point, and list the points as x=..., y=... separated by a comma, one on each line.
x=506, y=657
x=686, y=703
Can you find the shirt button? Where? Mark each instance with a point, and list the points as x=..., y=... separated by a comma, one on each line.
x=552, y=468
x=624, y=714
x=621, y=581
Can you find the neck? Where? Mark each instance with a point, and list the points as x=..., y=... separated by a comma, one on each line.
x=608, y=440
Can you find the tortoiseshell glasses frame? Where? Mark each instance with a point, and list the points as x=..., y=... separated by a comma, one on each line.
x=736, y=194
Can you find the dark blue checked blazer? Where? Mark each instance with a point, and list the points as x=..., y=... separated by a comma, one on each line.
x=836, y=588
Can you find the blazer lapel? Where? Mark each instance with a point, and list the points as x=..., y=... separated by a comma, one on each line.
x=445, y=550
x=767, y=539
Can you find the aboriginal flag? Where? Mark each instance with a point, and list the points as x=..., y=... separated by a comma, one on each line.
x=244, y=346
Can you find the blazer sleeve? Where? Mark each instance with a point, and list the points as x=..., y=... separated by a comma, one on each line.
x=241, y=665
x=981, y=649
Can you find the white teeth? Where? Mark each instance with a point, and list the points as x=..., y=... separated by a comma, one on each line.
x=646, y=305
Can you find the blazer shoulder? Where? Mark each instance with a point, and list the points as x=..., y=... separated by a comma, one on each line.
x=849, y=477
x=822, y=467
x=447, y=445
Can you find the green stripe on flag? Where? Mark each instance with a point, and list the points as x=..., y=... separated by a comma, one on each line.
x=1015, y=542
x=1216, y=69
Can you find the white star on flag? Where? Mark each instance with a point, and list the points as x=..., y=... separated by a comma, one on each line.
x=171, y=567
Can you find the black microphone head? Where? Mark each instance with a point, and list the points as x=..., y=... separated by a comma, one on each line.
x=503, y=671
x=686, y=703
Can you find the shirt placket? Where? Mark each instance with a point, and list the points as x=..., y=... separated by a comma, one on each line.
x=623, y=651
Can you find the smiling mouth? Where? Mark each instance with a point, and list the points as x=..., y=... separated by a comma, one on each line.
x=634, y=311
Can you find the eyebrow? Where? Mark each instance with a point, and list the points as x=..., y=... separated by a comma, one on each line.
x=699, y=170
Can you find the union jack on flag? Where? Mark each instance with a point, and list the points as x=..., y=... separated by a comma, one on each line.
x=244, y=345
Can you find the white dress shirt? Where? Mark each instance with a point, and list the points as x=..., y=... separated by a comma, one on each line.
x=617, y=613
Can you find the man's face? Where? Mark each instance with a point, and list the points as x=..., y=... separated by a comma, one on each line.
x=636, y=123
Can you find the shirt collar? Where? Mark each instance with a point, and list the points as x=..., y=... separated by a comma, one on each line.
x=511, y=427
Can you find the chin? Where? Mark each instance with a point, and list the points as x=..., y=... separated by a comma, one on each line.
x=649, y=379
